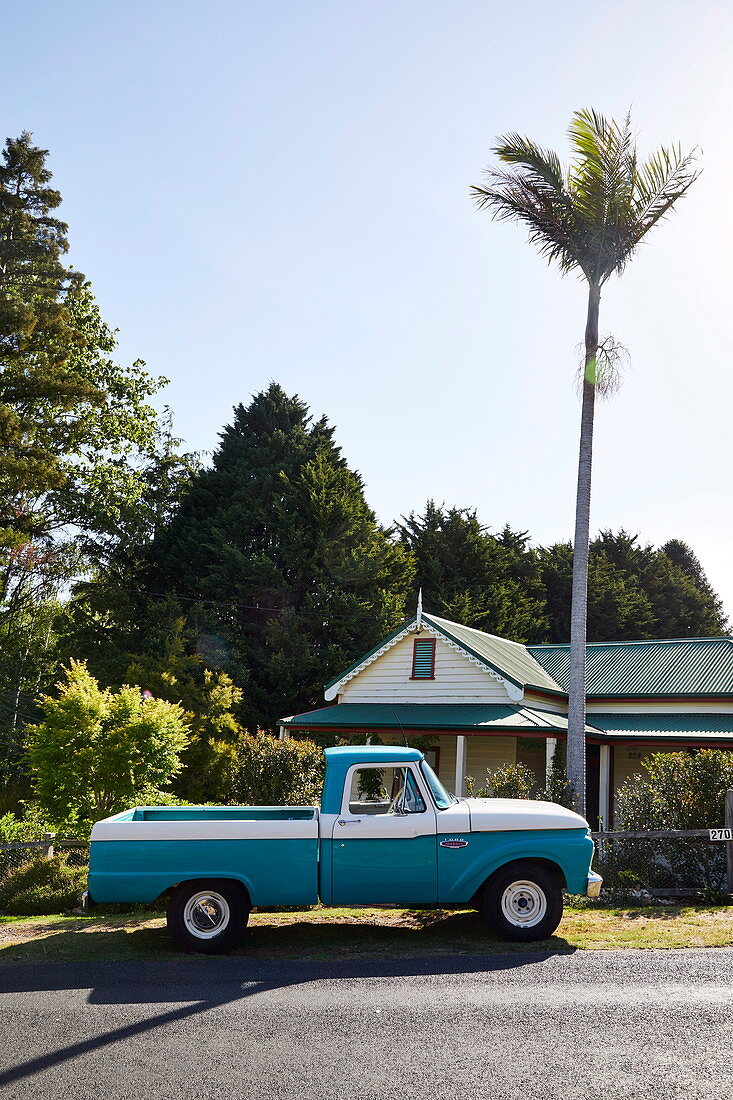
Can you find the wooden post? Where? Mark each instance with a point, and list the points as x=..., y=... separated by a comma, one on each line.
x=729, y=844
x=550, y=746
x=48, y=839
x=604, y=788
x=460, y=765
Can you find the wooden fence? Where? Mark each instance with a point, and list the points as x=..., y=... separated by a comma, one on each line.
x=49, y=844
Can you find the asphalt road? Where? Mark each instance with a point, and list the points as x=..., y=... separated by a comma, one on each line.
x=613, y=1024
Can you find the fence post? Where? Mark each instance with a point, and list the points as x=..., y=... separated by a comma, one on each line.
x=48, y=839
x=729, y=844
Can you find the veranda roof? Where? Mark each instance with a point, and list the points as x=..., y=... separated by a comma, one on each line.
x=710, y=728
x=436, y=718
x=492, y=719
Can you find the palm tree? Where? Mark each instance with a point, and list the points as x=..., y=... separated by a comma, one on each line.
x=589, y=219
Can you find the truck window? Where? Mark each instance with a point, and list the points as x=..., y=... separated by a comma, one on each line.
x=380, y=790
x=442, y=799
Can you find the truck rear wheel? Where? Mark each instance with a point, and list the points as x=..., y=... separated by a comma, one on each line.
x=208, y=916
x=523, y=902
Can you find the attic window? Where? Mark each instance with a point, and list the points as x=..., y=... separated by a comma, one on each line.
x=423, y=659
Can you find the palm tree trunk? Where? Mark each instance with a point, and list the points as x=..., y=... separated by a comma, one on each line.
x=579, y=601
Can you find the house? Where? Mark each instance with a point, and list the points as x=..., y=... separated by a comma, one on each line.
x=485, y=701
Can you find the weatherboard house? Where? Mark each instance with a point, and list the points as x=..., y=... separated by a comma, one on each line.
x=486, y=701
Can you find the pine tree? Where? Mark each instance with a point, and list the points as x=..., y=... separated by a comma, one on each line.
x=278, y=561
x=635, y=591
x=37, y=336
x=467, y=574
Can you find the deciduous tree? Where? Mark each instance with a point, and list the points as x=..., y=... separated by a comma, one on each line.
x=96, y=752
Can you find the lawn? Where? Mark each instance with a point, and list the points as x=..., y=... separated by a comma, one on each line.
x=362, y=932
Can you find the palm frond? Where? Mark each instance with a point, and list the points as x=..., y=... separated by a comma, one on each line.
x=549, y=223
x=541, y=166
x=662, y=180
x=593, y=217
x=533, y=192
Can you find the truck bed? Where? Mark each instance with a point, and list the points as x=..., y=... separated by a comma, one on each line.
x=271, y=850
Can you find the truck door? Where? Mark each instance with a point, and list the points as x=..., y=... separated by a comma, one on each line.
x=384, y=840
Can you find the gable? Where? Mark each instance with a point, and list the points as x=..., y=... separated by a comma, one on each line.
x=387, y=676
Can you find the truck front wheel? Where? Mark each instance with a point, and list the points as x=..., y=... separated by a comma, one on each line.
x=208, y=916
x=523, y=902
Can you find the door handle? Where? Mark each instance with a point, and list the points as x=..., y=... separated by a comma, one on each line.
x=356, y=821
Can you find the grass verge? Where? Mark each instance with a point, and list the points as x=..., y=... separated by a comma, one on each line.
x=363, y=933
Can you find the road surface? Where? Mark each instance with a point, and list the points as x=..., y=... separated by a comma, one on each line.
x=613, y=1024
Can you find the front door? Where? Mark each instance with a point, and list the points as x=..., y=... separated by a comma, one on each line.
x=384, y=840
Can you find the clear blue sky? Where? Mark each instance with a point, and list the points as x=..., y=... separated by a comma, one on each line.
x=280, y=190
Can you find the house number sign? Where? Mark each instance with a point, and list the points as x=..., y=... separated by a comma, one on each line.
x=721, y=834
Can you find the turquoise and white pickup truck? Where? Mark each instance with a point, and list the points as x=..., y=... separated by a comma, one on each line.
x=386, y=832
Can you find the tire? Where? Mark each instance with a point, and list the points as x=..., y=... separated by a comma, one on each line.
x=522, y=902
x=208, y=916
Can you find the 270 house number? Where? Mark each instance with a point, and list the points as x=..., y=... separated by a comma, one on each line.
x=721, y=834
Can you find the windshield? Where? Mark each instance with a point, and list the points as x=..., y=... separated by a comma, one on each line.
x=442, y=799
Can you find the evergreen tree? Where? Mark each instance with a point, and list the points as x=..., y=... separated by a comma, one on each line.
x=634, y=591
x=284, y=573
x=78, y=437
x=467, y=574
x=37, y=334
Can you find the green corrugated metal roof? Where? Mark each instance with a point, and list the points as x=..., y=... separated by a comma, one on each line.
x=510, y=659
x=703, y=727
x=691, y=666
x=449, y=717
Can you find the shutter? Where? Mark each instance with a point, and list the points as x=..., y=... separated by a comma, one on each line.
x=423, y=659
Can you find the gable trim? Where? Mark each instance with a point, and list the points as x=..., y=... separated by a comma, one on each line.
x=514, y=691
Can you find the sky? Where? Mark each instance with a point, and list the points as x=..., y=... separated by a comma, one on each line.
x=280, y=191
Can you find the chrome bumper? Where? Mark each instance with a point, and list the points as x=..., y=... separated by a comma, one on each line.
x=594, y=884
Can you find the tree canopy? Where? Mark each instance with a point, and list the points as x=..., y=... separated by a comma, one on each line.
x=472, y=576
x=278, y=561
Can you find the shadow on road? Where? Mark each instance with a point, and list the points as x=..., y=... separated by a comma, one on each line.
x=200, y=984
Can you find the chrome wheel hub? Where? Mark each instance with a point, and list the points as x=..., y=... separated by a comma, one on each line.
x=523, y=904
x=206, y=914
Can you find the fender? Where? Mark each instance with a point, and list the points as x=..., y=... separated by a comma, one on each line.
x=463, y=871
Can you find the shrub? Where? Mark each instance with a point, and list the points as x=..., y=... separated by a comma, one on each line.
x=97, y=751
x=42, y=886
x=508, y=781
x=679, y=791
x=271, y=772
x=558, y=787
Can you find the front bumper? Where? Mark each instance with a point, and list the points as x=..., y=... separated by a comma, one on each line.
x=594, y=885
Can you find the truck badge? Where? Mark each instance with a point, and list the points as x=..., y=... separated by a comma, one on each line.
x=454, y=842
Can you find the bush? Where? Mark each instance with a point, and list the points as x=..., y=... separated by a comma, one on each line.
x=679, y=791
x=508, y=781
x=558, y=787
x=42, y=886
x=97, y=751
x=271, y=772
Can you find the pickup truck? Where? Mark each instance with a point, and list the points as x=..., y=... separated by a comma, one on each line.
x=386, y=832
